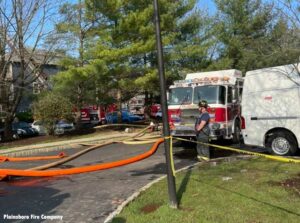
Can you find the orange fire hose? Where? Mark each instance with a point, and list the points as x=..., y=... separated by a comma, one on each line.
x=20, y=159
x=61, y=155
x=69, y=158
x=83, y=169
x=76, y=155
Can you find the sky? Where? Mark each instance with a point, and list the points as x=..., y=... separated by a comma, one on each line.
x=203, y=5
x=207, y=5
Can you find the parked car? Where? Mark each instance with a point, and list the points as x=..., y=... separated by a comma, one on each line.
x=15, y=135
x=60, y=128
x=127, y=117
x=2, y=129
x=24, y=129
x=38, y=126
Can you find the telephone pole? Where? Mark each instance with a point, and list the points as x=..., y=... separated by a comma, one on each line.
x=164, y=107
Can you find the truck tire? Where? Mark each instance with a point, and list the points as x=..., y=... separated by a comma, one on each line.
x=236, y=135
x=281, y=143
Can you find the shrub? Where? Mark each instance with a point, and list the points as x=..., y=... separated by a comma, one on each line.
x=51, y=108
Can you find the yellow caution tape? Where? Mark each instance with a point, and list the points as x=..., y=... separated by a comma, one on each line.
x=138, y=142
x=278, y=158
x=151, y=139
x=171, y=156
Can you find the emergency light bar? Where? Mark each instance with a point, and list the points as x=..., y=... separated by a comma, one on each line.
x=204, y=80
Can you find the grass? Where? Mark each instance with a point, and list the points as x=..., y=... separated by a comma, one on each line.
x=4, y=147
x=250, y=191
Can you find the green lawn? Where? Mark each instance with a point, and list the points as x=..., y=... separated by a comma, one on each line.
x=251, y=191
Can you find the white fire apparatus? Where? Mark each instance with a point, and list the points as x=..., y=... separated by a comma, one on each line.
x=222, y=91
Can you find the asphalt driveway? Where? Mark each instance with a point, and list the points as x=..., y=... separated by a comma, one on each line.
x=86, y=197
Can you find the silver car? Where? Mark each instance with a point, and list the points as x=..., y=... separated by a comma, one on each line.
x=60, y=128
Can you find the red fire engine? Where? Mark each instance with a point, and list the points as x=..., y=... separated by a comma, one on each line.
x=154, y=109
x=96, y=114
x=221, y=89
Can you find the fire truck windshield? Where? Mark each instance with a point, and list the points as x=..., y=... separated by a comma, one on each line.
x=181, y=95
x=213, y=94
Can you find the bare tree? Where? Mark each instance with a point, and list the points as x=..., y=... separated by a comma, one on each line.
x=290, y=11
x=24, y=28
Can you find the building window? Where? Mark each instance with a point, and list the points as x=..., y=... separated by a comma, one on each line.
x=36, y=88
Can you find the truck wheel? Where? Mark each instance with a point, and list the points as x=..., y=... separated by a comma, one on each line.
x=236, y=137
x=281, y=143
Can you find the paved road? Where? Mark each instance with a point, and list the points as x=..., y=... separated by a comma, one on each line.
x=85, y=197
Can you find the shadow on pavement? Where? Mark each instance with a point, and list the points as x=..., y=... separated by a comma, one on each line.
x=28, y=197
x=157, y=169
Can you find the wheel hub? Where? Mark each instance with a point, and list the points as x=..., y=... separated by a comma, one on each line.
x=280, y=145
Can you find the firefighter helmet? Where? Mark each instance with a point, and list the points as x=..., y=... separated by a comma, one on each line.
x=203, y=103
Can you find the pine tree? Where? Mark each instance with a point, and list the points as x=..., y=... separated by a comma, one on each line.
x=241, y=29
x=127, y=41
x=78, y=79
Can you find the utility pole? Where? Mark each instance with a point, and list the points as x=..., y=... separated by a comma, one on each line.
x=164, y=107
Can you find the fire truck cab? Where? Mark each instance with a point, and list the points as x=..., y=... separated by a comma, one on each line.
x=222, y=91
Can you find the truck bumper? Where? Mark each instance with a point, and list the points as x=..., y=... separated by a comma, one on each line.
x=186, y=131
x=183, y=131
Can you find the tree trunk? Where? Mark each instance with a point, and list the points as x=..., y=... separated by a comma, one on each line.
x=147, y=106
x=119, y=101
x=8, y=131
x=78, y=122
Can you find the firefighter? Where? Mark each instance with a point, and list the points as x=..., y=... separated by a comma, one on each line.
x=202, y=132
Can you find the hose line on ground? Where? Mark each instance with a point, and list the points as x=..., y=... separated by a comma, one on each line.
x=32, y=158
x=88, y=168
x=78, y=154
x=83, y=169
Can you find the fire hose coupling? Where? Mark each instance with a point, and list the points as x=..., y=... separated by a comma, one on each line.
x=62, y=154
